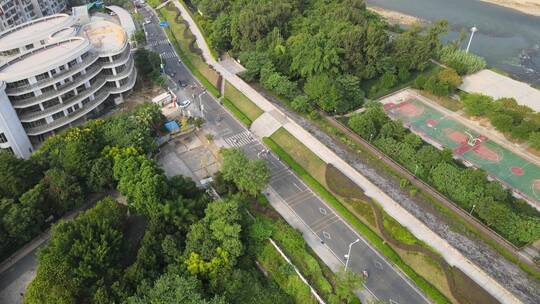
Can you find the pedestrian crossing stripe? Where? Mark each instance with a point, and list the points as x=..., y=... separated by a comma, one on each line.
x=240, y=139
x=155, y=43
x=168, y=55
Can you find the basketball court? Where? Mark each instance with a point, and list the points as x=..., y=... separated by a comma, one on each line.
x=442, y=131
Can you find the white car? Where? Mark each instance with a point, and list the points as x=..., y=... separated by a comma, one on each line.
x=184, y=103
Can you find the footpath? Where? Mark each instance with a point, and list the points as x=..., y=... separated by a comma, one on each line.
x=415, y=226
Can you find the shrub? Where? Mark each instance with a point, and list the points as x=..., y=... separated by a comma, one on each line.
x=460, y=60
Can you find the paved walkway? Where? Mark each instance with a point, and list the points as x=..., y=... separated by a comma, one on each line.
x=422, y=232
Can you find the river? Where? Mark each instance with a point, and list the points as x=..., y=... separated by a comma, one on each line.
x=508, y=39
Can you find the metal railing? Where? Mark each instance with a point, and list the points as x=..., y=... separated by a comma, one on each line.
x=88, y=107
x=100, y=80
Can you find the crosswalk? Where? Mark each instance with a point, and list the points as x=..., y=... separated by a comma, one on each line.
x=158, y=42
x=240, y=139
x=168, y=55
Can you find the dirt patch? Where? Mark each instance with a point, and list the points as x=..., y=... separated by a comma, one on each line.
x=342, y=185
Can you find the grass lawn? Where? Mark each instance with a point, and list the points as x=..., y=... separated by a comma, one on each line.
x=236, y=112
x=428, y=269
x=241, y=102
x=301, y=154
x=182, y=42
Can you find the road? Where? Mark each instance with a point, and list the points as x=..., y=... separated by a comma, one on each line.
x=384, y=281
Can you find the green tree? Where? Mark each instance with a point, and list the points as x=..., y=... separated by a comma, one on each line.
x=250, y=176
x=347, y=282
x=477, y=104
x=534, y=140
x=16, y=175
x=172, y=288
x=80, y=256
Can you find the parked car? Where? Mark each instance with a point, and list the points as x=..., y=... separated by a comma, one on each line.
x=184, y=103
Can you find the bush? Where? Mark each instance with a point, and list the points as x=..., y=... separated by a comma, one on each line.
x=460, y=60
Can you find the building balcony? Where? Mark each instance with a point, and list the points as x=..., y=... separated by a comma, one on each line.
x=64, y=88
x=88, y=61
x=100, y=81
x=100, y=97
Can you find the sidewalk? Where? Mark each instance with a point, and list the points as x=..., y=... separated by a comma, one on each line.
x=422, y=232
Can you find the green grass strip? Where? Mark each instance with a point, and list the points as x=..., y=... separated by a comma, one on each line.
x=360, y=227
x=236, y=112
x=185, y=59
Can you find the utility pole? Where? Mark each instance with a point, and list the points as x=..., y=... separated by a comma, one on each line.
x=348, y=255
x=474, y=29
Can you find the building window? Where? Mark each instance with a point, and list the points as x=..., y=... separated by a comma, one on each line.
x=58, y=115
x=3, y=138
x=29, y=46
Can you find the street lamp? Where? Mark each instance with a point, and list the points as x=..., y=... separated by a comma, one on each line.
x=201, y=108
x=472, y=209
x=348, y=255
x=474, y=29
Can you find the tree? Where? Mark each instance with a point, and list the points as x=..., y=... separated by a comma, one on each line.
x=139, y=37
x=477, y=104
x=364, y=126
x=172, y=288
x=323, y=91
x=534, y=140
x=302, y=104
x=250, y=176
x=16, y=175
x=213, y=244
x=346, y=283
x=140, y=180
x=80, y=256
x=63, y=191
x=501, y=122
x=148, y=65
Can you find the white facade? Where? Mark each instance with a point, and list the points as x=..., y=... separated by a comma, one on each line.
x=71, y=72
x=15, y=12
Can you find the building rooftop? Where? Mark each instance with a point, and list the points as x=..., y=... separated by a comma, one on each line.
x=41, y=59
x=104, y=36
x=125, y=19
x=33, y=30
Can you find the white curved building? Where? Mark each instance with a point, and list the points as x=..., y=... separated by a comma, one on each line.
x=15, y=12
x=56, y=73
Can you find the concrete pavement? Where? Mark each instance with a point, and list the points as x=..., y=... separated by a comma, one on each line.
x=422, y=232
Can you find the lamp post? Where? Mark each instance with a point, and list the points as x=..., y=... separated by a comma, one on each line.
x=201, y=108
x=472, y=209
x=474, y=29
x=348, y=255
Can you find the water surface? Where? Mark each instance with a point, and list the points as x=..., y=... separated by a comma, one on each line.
x=508, y=39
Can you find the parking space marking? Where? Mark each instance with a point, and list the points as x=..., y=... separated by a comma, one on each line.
x=326, y=235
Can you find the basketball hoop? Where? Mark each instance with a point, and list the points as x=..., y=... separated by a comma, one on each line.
x=472, y=141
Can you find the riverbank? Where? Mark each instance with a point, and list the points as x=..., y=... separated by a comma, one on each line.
x=395, y=17
x=530, y=7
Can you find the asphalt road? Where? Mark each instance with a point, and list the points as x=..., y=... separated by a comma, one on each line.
x=384, y=280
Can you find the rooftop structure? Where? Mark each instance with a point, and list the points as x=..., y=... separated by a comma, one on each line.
x=58, y=71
